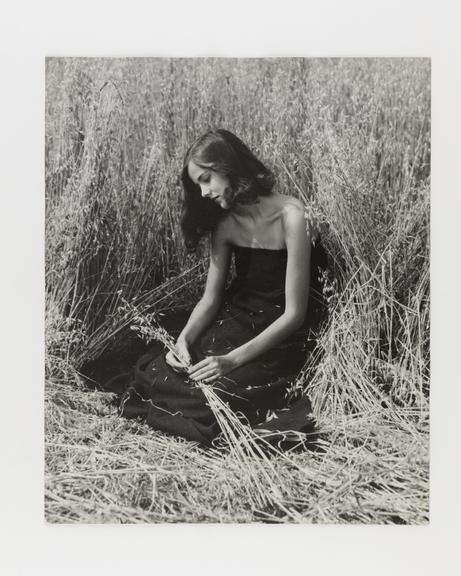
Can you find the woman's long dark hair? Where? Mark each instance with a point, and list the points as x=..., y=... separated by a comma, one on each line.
x=223, y=152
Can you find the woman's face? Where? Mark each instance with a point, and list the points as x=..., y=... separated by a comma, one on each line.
x=212, y=184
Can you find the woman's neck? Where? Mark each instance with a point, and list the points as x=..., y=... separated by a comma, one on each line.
x=254, y=211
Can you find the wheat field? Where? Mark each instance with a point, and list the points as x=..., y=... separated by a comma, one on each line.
x=351, y=139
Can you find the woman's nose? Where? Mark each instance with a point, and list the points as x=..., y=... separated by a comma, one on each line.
x=205, y=192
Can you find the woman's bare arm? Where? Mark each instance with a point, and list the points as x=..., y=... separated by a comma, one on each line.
x=296, y=291
x=298, y=242
x=208, y=306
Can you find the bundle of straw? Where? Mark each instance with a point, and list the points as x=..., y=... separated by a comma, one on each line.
x=251, y=451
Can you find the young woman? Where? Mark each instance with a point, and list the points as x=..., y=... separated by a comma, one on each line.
x=248, y=340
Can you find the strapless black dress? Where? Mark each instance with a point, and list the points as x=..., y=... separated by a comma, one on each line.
x=259, y=390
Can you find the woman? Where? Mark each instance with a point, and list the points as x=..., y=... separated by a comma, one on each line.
x=249, y=340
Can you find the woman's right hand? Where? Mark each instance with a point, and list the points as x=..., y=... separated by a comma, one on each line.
x=181, y=359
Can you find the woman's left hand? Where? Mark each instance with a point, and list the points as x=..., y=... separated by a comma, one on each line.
x=211, y=368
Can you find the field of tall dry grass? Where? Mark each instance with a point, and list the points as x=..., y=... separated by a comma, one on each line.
x=351, y=138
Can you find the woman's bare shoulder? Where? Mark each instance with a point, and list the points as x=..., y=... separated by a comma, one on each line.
x=292, y=209
x=293, y=214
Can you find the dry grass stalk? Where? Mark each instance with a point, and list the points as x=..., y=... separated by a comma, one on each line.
x=250, y=451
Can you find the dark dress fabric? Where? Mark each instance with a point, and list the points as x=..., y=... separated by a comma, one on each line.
x=257, y=391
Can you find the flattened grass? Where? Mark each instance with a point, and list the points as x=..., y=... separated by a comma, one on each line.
x=102, y=468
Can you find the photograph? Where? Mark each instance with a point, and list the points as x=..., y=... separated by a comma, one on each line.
x=237, y=290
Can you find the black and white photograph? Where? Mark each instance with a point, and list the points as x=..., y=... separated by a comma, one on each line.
x=237, y=290
x=229, y=248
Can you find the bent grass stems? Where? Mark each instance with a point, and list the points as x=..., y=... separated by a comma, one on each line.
x=249, y=450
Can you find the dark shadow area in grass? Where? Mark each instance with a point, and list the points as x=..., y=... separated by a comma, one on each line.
x=110, y=371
